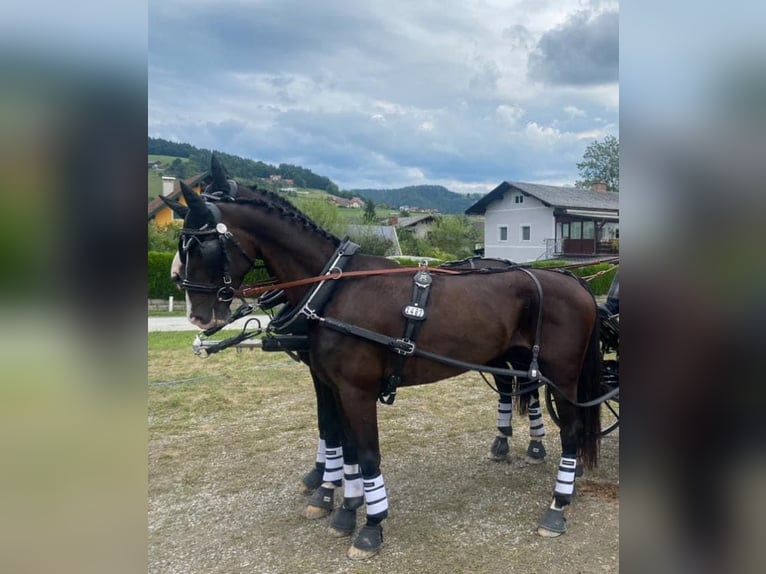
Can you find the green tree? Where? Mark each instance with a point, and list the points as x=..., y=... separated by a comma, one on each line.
x=601, y=163
x=369, y=211
x=452, y=237
x=372, y=244
x=163, y=238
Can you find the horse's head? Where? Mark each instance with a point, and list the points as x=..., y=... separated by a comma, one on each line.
x=210, y=263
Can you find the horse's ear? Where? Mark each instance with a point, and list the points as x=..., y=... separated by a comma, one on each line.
x=178, y=208
x=194, y=201
x=220, y=177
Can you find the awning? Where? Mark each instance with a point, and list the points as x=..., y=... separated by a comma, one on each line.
x=595, y=214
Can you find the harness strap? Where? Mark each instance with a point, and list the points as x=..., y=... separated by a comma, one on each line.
x=393, y=344
x=534, y=368
x=296, y=321
x=415, y=315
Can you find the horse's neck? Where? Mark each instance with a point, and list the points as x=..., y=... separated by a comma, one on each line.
x=290, y=250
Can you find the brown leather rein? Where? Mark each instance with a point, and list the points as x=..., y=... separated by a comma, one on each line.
x=250, y=291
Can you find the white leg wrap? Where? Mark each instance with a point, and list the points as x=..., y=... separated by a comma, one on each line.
x=375, y=495
x=535, y=411
x=503, y=414
x=566, y=476
x=321, y=447
x=333, y=466
x=353, y=486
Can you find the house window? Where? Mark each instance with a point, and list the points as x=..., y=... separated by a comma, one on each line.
x=565, y=231
x=518, y=199
x=503, y=232
x=526, y=232
x=588, y=230
x=576, y=230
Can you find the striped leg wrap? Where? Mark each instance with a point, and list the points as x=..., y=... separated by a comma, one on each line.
x=333, y=469
x=321, y=448
x=375, y=497
x=353, y=486
x=565, y=479
x=535, y=411
x=503, y=414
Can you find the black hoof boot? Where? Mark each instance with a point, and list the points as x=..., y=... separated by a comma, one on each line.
x=499, y=449
x=343, y=522
x=368, y=543
x=311, y=481
x=552, y=524
x=535, y=452
x=320, y=503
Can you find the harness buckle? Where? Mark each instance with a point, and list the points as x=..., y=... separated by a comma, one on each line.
x=226, y=293
x=403, y=347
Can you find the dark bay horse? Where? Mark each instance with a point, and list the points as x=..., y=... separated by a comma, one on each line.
x=323, y=479
x=476, y=318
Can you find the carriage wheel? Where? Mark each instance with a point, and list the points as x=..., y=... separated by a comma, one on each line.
x=610, y=410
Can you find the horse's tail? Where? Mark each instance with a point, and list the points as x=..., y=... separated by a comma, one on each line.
x=588, y=389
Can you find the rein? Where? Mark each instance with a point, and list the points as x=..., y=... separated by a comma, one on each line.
x=333, y=275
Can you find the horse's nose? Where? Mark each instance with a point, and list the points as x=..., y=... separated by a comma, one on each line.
x=198, y=321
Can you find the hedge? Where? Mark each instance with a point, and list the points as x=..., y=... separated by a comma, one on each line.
x=160, y=285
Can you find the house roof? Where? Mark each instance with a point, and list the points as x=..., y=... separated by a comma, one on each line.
x=552, y=196
x=388, y=232
x=156, y=204
x=414, y=220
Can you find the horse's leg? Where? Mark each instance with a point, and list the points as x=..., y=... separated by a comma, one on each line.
x=359, y=413
x=344, y=520
x=499, y=449
x=313, y=478
x=536, y=449
x=553, y=522
x=322, y=501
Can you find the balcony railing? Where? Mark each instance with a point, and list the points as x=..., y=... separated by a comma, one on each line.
x=569, y=247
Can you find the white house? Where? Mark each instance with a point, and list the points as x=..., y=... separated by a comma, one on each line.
x=526, y=221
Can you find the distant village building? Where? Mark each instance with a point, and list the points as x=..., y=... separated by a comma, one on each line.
x=419, y=225
x=355, y=203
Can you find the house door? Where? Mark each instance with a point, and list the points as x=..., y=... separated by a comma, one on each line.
x=579, y=238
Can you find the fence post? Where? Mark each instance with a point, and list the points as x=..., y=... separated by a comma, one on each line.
x=170, y=304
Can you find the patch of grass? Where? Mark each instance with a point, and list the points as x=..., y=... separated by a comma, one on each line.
x=228, y=447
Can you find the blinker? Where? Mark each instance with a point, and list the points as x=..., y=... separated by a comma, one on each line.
x=221, y=228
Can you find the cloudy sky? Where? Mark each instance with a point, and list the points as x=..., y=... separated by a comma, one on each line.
x=463, y=93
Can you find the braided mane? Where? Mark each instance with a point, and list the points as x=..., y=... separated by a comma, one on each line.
x=285, y=209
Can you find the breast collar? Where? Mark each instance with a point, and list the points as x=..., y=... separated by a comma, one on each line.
x=295, y=321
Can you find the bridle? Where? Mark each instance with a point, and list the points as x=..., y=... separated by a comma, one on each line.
x=225, y=292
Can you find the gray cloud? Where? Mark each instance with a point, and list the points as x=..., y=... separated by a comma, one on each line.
x=583, y=51
x=368, y=94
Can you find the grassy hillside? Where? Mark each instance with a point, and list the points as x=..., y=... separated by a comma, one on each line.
x=154, y=182
x=423, y=196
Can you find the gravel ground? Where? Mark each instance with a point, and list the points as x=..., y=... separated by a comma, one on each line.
x=226, y=455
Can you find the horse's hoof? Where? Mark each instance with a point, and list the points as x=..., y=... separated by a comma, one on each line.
x=535, y=452
x=315, y=512
x=343, y=521
x=367, y=544
x=335, y=533
x=499, y=450
x=311, y=481
x=552, y=524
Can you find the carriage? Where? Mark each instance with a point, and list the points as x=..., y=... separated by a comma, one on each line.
x=366, y=326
